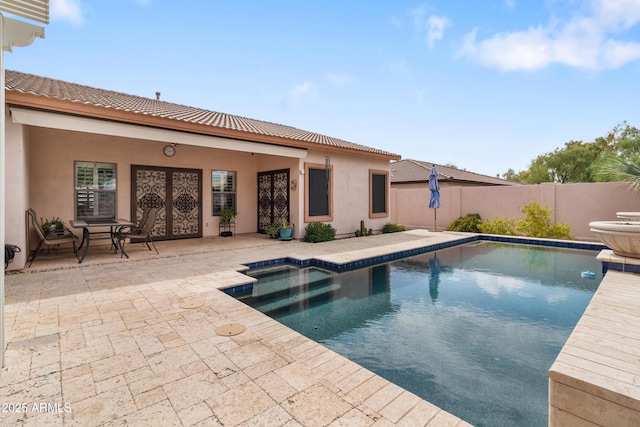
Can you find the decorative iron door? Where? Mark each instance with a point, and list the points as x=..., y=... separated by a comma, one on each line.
x=273, y=198
x=176, y=193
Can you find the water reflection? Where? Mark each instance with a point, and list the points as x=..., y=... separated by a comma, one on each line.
x=434, y=276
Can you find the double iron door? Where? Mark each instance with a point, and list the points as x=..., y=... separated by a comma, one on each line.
x=273, y=198
x=176, y=192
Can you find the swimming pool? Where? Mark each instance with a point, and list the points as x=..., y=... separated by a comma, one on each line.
x=472, y=328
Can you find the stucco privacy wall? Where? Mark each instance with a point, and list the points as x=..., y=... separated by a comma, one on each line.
x=573, y=204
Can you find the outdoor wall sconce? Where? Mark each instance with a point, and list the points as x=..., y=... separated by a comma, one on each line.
x=294, y=185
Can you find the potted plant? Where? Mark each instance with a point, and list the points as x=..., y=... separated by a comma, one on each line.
x=273, y=230
x=54, y=224
x=286, y=229
x=226, y=218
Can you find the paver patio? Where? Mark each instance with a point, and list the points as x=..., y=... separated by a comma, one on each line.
x=107, y=343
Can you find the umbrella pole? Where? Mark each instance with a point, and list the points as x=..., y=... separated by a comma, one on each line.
x=435, y=219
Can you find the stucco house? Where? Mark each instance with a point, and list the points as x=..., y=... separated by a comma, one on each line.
x=409, y=173
x=78, y=152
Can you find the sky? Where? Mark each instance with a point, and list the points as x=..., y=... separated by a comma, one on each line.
x=486, y=86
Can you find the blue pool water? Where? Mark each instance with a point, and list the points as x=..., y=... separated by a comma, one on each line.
x=473, y=329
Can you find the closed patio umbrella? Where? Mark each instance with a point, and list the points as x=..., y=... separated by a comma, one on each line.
x=434, y=200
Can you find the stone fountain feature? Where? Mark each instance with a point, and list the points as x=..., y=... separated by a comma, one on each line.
x=622, y=236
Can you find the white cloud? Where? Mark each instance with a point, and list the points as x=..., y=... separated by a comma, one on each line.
x=510, y=4
x=587, y=40
x=339, y=80
x=66, y=10
x=432, y=28
x=435, y=29
x=300, y=91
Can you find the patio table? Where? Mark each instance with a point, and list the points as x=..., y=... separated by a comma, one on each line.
x=88, y=235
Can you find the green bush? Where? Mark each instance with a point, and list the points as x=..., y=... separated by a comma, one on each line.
x=503, y=226
x=392, y=228
x=536, y=223
x=468, y=224
x=319, y=232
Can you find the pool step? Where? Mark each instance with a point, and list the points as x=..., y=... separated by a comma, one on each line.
x=294, y=299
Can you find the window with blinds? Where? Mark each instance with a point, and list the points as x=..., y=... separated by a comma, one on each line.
x=223, y=191
x=95, y=190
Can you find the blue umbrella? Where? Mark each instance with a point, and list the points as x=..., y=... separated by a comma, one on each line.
x=434, y=200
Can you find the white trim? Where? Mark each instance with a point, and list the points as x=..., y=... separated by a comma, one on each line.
x=18, y=33
x=38, y=10
x=103, y=127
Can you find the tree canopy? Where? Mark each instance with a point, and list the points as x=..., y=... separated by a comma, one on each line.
x=580, y=161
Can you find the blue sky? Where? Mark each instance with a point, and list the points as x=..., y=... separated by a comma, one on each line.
x=485, y=85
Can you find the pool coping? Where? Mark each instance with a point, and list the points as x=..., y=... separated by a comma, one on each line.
x=393, y=256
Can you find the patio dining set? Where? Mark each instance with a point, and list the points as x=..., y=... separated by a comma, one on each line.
x=115, y=230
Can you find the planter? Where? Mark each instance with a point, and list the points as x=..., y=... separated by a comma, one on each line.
x=623, y=237
x=226, y=229
x=286, y=233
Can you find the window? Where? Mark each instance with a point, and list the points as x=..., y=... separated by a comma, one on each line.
x=378, y=194
x=95, y=190
x=318, y=193
x=223, y=191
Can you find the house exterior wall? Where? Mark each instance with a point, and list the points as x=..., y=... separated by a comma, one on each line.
x=51, y=169
x=40, y=175
x=573, y=204
x=350, y=191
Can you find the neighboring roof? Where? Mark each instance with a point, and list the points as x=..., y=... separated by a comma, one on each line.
x=58, y=95
x=414, y=171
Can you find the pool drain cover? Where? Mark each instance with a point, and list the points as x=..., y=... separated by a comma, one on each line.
x=230, y=329
x=191, y=303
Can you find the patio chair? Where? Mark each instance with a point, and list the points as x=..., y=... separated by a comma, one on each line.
x=141, y=233
x=49, y=239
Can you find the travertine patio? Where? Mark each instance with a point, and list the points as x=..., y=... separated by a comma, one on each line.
x=106, y=343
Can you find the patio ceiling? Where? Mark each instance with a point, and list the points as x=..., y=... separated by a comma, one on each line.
x=82, y=124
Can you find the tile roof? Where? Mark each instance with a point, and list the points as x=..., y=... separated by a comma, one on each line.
x=408, y=170
x=16, y=81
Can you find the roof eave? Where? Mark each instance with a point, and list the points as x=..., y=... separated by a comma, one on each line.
x=131, y=117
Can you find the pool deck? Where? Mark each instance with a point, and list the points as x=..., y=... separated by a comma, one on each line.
x=108, y=343
x=595, y=380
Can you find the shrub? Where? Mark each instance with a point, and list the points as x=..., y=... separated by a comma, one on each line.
x=273, y=231
x=392, y=228
x=316, y=232
x=468, y=224
x=536, y=223
x=504, y=226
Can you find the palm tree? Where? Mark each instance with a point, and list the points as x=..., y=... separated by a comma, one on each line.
x=622, y=169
